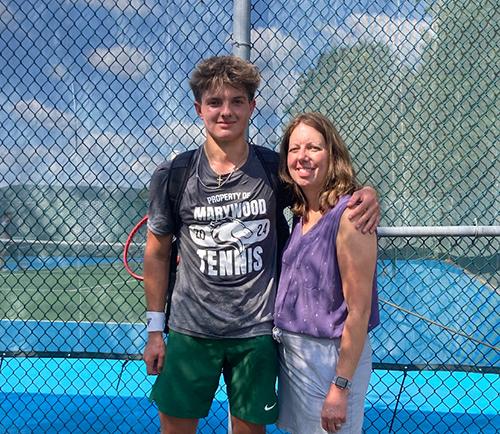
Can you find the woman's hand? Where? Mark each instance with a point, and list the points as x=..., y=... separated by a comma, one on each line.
x=365, y=210
x=334, y=411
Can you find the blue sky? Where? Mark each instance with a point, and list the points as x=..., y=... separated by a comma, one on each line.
x=95, y=92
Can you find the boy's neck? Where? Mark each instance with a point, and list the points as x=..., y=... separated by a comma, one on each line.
x=230, y=152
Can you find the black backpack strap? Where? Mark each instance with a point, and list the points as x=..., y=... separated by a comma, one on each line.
x=270, y=161
x=177, y=179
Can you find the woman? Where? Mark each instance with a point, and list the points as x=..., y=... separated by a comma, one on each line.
x=327, y=300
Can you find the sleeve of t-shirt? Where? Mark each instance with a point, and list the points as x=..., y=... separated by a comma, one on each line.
x=160, y=220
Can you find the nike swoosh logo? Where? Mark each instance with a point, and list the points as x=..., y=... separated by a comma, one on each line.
x=269, y=407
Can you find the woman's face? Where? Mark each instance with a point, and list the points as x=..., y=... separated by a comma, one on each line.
x=307, y=158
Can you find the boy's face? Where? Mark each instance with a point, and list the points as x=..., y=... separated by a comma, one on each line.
x=225, y=113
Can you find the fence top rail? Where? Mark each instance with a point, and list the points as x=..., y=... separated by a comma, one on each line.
x=383, y=231
x=440, y=231
x=138, y=357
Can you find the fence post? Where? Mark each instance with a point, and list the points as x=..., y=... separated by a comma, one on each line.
x=241, y=29
x=241, y=48
x=241, y=32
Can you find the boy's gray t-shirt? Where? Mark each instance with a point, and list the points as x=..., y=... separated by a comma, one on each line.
x=226, y=277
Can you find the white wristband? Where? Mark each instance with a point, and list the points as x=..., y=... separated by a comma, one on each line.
x=155, y=321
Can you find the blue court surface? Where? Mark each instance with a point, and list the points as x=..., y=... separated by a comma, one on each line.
x=109, y=396
x=56, y=262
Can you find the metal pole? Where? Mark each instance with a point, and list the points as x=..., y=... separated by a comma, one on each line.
x=241, y=48
x=439, y=231
x=241, y=28
x=241, y=32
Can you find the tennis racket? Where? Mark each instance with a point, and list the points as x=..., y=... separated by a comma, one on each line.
x=133, y=252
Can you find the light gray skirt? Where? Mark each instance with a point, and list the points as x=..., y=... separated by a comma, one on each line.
x=307, y=366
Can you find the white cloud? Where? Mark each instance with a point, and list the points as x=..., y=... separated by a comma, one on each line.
x=100, y=158
x=406, y=37
x=123, y=60
x=89, y=157
x=35, y=164
x=5, y=15
x=176, y=137
x=277, y=55
x=272, y=45
x=129, y=7
x=125, y=159
x=58, y=71
x=33, y=111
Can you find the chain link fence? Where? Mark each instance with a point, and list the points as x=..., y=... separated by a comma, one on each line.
x=94, y=94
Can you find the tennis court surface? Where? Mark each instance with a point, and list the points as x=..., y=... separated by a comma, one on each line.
x=72, y=333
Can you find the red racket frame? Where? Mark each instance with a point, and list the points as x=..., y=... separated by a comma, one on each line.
x=127, y=246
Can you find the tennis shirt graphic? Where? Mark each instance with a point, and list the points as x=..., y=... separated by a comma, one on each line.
x=226, y=278
x=229, y=246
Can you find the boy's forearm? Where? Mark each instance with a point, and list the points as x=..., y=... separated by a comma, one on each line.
x=156, y=273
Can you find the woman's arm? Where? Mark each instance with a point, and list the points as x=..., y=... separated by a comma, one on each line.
x=357, y=256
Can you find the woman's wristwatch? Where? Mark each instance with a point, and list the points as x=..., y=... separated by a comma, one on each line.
x=342, y=383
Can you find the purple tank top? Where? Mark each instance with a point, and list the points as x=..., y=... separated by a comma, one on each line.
x=310, y=298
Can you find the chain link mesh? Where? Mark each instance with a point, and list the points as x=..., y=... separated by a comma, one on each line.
x=94, y=95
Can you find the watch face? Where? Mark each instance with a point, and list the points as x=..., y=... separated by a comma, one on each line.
x=341, y=382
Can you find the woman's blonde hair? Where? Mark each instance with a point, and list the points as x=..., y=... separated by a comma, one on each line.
x=340, y=177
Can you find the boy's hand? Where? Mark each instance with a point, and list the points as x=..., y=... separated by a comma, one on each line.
x=365, y=209
x=154, y=353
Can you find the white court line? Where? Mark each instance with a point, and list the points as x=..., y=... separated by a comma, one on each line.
x=33, y=321
x=85, y=288
x=76, y=291
x=56, y=271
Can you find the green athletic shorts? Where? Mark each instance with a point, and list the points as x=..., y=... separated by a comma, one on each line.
x=187, y=384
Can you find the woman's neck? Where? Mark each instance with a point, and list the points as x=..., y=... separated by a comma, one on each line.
x=311, y=217
x=312, y=200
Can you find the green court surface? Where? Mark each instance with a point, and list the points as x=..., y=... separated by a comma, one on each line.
x=74, y=291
